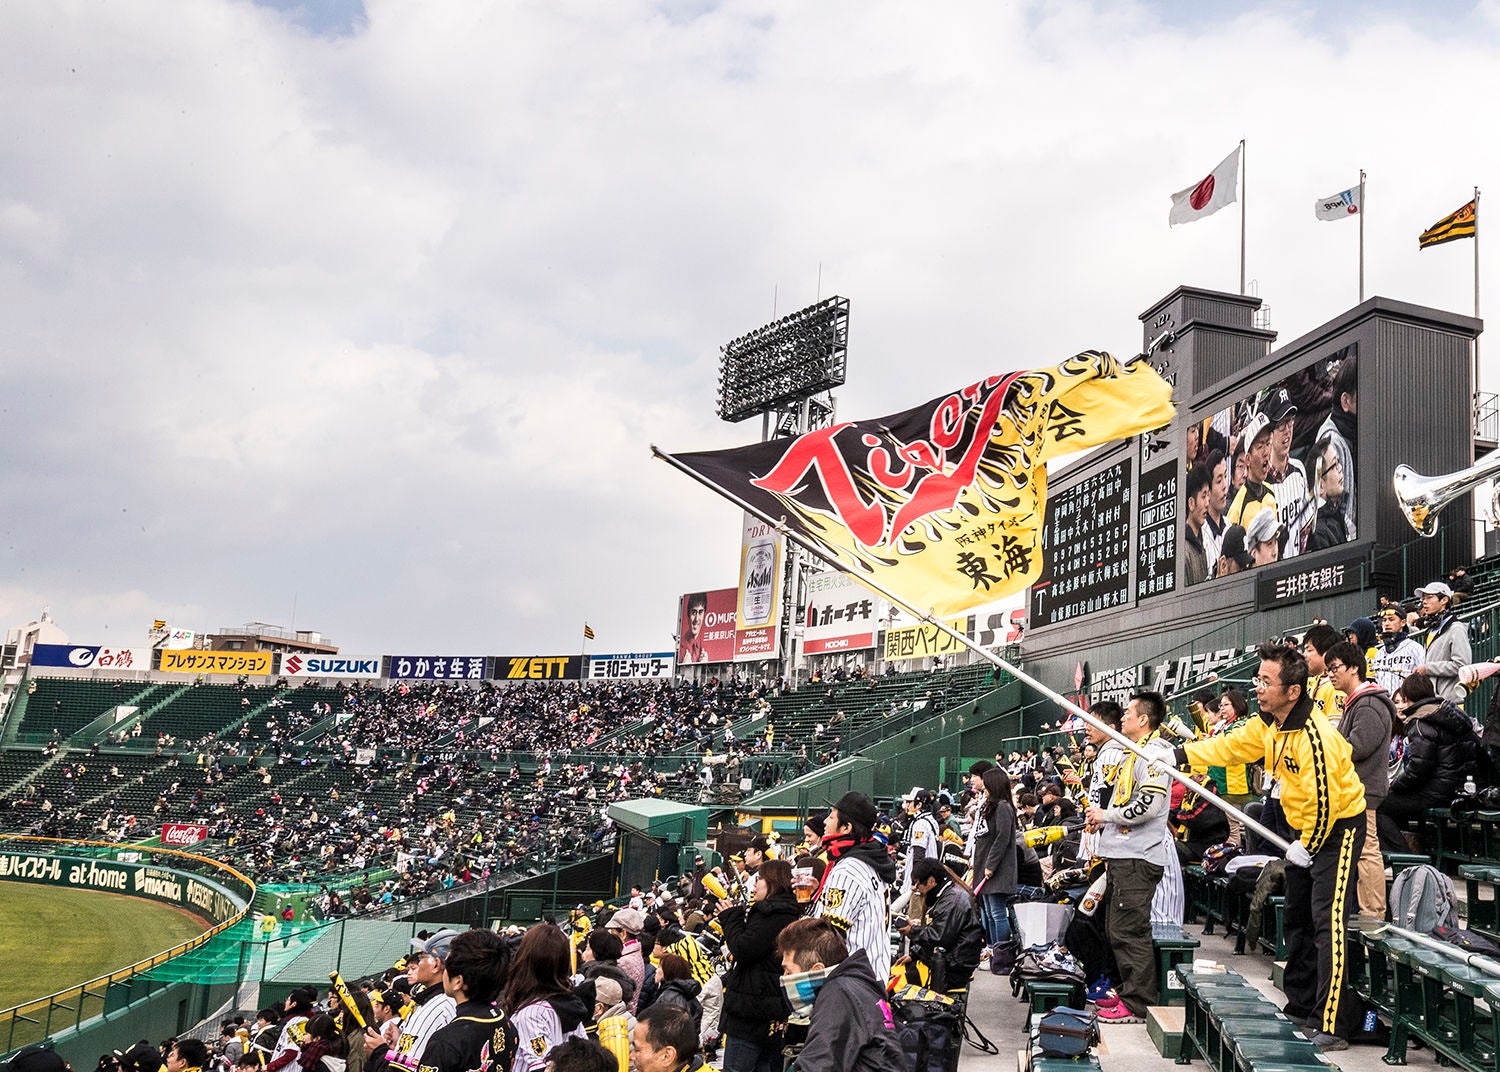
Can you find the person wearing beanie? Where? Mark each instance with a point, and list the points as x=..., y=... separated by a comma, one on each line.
x=1398, y=654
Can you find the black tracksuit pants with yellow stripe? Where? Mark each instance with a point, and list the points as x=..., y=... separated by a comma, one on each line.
x=1319, y=902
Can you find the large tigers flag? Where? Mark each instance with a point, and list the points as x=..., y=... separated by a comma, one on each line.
x=942, y=504
x=1460, y=223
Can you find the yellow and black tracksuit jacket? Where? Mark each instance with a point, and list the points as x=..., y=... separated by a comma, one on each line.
x=1315, y=764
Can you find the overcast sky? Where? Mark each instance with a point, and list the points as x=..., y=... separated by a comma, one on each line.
x=369, y=312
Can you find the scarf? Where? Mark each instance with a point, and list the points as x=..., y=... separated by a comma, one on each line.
x=801, y=989
x=835, y=846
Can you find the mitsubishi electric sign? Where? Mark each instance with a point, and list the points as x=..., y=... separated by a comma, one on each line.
x=362, y=666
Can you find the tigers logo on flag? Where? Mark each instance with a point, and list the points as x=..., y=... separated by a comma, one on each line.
x=943, y=503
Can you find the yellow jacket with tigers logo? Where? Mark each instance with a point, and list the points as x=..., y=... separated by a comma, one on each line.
x=1319, y=785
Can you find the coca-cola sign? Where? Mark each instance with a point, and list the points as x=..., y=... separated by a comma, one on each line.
x=183, y=834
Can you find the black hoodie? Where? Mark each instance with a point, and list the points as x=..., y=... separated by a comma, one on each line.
x=874, y=853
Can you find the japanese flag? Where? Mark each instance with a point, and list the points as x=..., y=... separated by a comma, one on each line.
x=1208, y=196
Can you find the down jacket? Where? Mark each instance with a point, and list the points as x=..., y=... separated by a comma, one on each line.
x=1440, y=753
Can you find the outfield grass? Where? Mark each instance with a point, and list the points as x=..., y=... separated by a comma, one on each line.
x=71, y=936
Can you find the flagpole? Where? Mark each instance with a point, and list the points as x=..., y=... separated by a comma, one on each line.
x=989, y=656
x=1476, y=290
x=1361, y=235
x=1244, y=175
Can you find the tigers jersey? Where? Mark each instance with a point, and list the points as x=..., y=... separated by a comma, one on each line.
x=921, y=842
x=1327, y=700
x=419, y=1026
x=538, y=1028
x=853, y=899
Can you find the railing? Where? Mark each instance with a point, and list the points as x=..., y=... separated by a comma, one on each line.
x=44, y=1017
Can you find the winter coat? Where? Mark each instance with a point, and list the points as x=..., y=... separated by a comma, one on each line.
x=1001, y=854
x=1447, y=650
x=633, y=964
x=851, y=1029
x=752, y=988
x=952, y=926
x=1440, y=753
x=1329, y=529
x=683, y=994
x=1366, y=725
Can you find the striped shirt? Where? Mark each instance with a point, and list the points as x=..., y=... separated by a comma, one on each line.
x=854, y=900
x=921, y=842
x=419, y=1025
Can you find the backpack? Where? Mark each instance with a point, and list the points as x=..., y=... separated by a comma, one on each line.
x=1423, y=899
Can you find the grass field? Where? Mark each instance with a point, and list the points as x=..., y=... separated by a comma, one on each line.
x=71, y=936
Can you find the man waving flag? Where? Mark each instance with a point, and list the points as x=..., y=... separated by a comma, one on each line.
x=942, y=503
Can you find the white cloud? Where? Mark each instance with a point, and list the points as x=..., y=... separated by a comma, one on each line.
x=383, y=323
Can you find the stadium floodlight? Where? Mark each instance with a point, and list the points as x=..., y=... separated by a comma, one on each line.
x=786, y=361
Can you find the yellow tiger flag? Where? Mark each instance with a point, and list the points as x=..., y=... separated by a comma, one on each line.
x=942, y=504
x=1461, y=223
x=588, y=632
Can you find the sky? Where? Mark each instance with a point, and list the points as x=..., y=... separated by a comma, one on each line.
x=361, y=318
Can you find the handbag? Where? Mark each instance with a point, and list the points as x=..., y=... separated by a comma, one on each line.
x=1066, y=1032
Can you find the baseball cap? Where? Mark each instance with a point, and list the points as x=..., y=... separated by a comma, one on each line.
x=1262, y=528
x=629, y=920
x=1234, y=547
x=1436, y=588
x=607, y=992
x=759, y=843
x=914, y=793
x=1279, y=406
x=1257, y=426
x=857, y=807
x=438, y=945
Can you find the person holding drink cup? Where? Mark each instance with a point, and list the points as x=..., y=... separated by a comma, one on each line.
x=753, y=1007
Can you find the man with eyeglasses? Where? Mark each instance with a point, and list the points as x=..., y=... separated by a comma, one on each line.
x=1324, y=802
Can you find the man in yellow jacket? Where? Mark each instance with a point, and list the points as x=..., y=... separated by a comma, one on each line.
x=1324, y=802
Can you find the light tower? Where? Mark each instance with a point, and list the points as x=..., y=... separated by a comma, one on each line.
x=785, y=372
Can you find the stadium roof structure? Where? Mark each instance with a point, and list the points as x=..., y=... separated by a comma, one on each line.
x=659, y=818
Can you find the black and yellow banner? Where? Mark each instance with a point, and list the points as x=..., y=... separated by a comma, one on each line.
x=943, y=504
x=539, y=667
x=1464, y=223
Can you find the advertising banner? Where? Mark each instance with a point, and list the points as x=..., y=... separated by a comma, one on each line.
x=438, y=667
x=361, y=666
x=539, y=667
x=842, y=615
x=180, y=638
x=655, y=666
x=1344, y=572
x=198, y=895
x=922, y=641
x=216, y=662
x=91, y=657
x=705, y=626
x=181, y=835
x=758, y=611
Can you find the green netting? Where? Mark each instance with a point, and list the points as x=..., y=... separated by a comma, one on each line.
x=295, y=954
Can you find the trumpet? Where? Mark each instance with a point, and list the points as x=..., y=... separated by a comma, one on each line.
x=1422, y=497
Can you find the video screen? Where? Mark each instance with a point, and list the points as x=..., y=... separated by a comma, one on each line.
x=1272, y=476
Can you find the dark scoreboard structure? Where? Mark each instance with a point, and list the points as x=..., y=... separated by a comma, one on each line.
x=1308, y=434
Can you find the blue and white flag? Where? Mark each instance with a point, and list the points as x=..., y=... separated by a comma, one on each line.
x=1339, y=206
